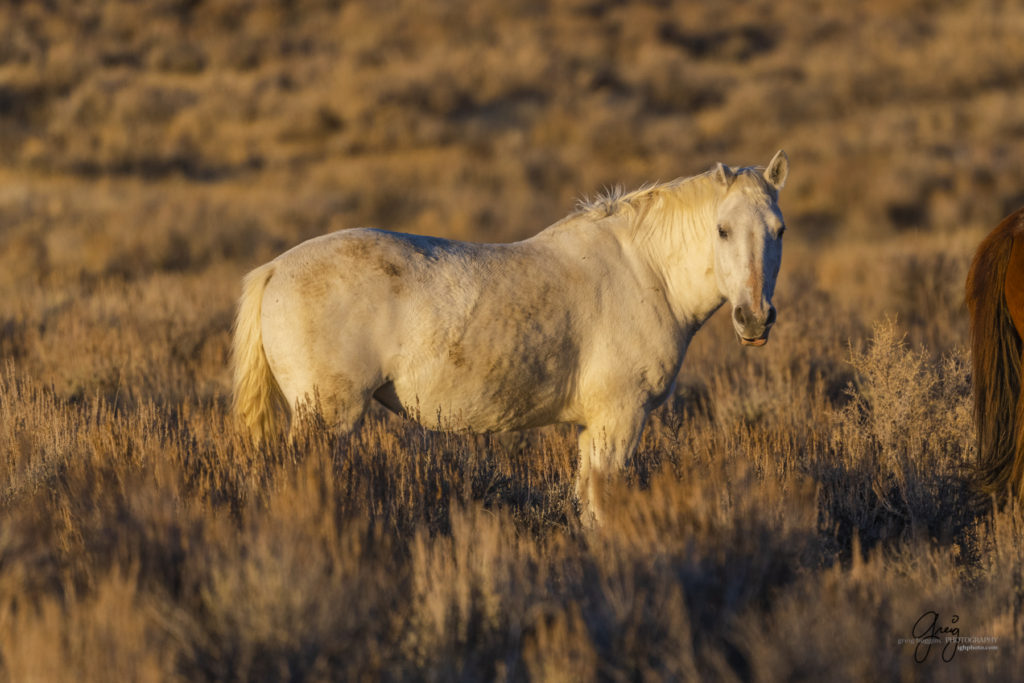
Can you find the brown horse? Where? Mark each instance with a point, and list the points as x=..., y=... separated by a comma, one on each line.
x=995, y=300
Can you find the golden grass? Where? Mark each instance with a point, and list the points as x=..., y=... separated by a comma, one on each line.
x=790, y=513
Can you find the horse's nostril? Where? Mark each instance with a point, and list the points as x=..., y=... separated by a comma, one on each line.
x=770, y=320
x=740, y=315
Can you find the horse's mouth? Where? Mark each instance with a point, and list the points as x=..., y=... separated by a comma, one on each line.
x=759, y=341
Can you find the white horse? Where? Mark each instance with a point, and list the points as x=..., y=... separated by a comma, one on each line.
x=585, y=323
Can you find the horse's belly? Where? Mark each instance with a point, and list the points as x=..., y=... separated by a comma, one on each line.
x=456, y=400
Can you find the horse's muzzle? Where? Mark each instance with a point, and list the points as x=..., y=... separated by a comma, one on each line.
x=752, y=330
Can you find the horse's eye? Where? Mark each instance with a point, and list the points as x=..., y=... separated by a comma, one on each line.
x=722, y=232
x=782, y=231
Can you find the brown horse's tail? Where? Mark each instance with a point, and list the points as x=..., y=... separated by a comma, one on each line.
x=996, y=361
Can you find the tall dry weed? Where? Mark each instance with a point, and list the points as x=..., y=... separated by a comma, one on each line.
x=903, y=442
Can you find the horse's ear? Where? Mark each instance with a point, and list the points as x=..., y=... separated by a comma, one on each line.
x=778, y=170
x=723, y=174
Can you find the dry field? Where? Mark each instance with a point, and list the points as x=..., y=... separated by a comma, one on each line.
x=792, y=513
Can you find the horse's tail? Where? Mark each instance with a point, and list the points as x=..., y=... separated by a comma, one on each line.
x=996, y=365
x=256, y=396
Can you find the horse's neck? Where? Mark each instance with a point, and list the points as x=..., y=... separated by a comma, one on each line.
x=679, y=249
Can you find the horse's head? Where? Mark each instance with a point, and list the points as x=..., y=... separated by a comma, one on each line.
x=748, y=245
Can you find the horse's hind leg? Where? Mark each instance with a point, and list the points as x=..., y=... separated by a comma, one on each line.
x=338, y=400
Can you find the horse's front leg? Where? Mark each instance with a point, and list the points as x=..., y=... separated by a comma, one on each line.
x=604, y=446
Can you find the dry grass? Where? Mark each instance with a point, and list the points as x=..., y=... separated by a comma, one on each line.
x=790, y=513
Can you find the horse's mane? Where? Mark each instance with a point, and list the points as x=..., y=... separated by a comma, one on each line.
x=617, y=200
x=996, y=364
x=655, y=205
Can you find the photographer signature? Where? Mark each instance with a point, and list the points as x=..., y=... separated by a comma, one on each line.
x=927, y=631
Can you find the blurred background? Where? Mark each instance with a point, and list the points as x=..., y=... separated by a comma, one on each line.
x=485, y=120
